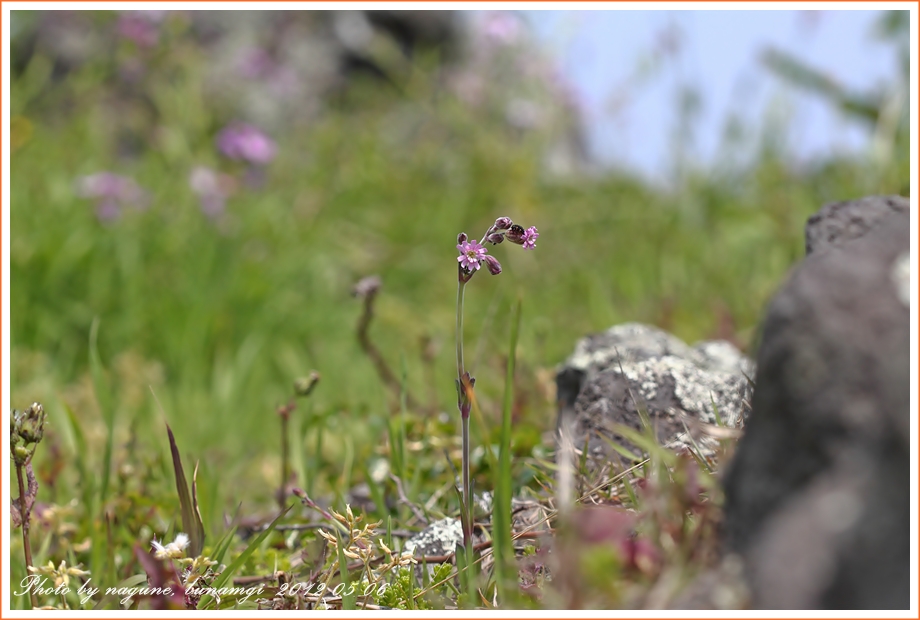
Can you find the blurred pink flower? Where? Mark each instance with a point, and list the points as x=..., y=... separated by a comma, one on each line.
x=255, y=63
x=212, y=188
x=281, y=80
x=112, y=192
x=142, y=27
x=244, y=142
x=502, y=27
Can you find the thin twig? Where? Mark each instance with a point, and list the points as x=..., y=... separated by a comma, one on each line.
x=295, y=527
x=616, y=478
x=402, y=496
x=367, y=289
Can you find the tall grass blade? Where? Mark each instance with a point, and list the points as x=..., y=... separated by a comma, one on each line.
x=195, y=507
x=104, y=398
x=79, y=439
x=191, y=519
x=228, y=572
x=646, y=442
x=220, y=550
x=348, y=595
x=502, y=547
x=715, y=410
x=623, y=451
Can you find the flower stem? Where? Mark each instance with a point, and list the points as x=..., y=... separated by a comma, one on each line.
x=467, y=500
x=460, y=369
x=25, y=516
x=464, y=424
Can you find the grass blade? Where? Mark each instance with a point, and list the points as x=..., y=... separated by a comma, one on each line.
x=348, y=595
x=502, y=547
x=191, y=519
x=195, y=507
x=623, y=451
x=220, y=550
x=228, y=572
x=79, y=440
x=104, y=398
x=647, y=442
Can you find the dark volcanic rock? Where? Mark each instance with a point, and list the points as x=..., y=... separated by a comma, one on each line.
x=818, y=495
x=610, y=376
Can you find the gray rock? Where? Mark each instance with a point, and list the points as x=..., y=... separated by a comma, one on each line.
x=439, y=538
x=818, y=495
x=611, y=375
x=839, y=222
x=719, y=587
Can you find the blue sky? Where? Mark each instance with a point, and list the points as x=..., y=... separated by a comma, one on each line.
x=629, y=98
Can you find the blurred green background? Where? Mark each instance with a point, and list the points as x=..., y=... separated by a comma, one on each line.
x=219, y=288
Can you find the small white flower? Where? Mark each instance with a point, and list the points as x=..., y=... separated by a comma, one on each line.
x=174, y=550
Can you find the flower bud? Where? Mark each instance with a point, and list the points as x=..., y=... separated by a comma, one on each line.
x=367, y=287
x=502, y=223
x=493, y=265
x=516, y=234
x=495, y=238
x=21, y=455
x=461, y=238
x=464, y=387
x=32, y=423
x=303, y=386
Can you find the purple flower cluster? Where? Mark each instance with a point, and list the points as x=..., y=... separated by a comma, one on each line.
x=142, y=27
x=244, y=142
x=212, y=188
x=112, y=193
x=473, y=253
x=280, y=80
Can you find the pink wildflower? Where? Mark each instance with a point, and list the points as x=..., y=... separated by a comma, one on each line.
x=530, y=238
x=471, y=253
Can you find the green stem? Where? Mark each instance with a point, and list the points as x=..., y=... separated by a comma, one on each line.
x=460, y=288
x=465, y=424
x=467, y=500
x=285, y=462
x=25, y=516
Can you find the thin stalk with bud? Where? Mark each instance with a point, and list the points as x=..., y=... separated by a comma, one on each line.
x=472, y=256
x=27, y=428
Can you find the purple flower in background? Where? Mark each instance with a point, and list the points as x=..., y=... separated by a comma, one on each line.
x=112, y=192
x=212, y=189
x=502, y=27
x=470, y=255
x=255, y=63
x=142, y=27
x=245, y=142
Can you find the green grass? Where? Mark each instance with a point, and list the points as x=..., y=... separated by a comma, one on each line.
x=219, y=319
